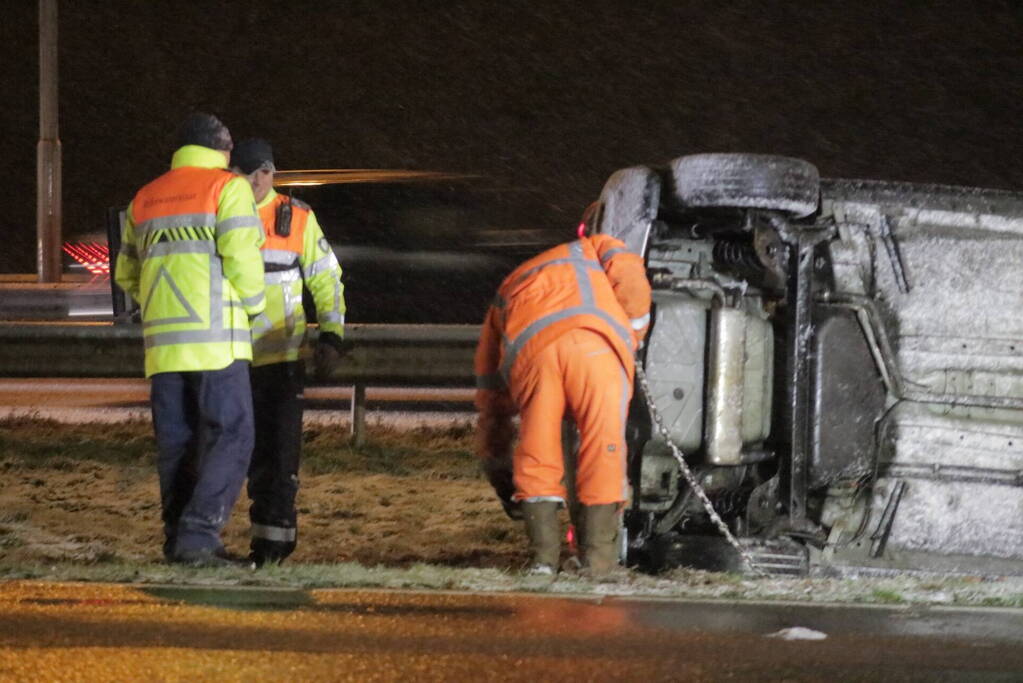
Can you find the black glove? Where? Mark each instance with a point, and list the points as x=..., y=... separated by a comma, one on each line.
x=500, y=477
x=327, y=354
x=495, y=434
x=513, y=508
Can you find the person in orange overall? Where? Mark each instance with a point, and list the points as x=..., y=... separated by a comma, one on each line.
x=559, y=339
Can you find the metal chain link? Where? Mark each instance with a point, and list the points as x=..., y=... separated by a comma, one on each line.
x=690, y=478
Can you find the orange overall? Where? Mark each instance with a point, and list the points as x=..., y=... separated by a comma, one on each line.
x=559, y=339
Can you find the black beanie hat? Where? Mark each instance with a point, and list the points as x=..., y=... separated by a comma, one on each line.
x=205, y=130
x=251, y=155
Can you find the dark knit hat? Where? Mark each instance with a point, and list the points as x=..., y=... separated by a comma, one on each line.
x=248, y=156
x=205, y=130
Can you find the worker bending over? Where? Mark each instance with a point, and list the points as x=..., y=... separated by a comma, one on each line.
x=559, y=340
x=295, y=253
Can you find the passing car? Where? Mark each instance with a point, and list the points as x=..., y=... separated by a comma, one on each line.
x=420, y=246
x=838, y=362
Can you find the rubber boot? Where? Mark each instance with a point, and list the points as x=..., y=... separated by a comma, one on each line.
x=544, y=532
x=598, y=540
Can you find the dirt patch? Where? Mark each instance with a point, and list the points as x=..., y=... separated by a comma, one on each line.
x=89, y=493
x=80, y=502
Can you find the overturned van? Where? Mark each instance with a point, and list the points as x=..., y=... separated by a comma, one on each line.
x=839, y=362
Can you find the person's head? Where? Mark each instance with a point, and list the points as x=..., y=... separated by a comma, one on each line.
x=205, y=130
x=254, y=159
x=590, y=221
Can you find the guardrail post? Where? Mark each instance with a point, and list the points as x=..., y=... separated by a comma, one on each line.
x=358, y=414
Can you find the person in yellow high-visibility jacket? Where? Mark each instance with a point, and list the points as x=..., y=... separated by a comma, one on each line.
x=295, y=253
x=190, y=257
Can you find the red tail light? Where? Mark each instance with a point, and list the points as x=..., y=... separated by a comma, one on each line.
x=93, y=256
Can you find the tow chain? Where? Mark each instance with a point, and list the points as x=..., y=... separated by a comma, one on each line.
x=690, y=478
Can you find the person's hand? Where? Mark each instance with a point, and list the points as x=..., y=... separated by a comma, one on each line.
x=504, y=487
x=495, y=434
x=499, y=474
x=326, y=358
x=327, y=354
x=513, y=508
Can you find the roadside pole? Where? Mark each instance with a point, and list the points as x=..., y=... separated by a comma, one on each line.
x=48, y=155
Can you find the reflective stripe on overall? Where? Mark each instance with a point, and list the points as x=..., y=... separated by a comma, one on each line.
x=588, y=306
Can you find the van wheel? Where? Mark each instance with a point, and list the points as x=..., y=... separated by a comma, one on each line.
x=754, y=181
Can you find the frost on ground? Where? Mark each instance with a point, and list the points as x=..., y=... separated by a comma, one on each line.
x=408, y=510
x=681, y=584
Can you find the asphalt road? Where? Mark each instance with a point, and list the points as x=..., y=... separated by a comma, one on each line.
x=108, y=632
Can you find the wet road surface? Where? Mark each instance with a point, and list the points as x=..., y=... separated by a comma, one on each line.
x=107, y=632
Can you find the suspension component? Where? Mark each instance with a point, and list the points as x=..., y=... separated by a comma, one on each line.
x=737, y=255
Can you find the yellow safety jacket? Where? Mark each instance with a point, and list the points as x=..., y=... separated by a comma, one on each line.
x=301, y=255
x=190, y=257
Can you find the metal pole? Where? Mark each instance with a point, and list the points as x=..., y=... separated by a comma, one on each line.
x=48, y=156
x=359, y=415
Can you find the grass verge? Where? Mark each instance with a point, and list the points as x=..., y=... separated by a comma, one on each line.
x=409, y=510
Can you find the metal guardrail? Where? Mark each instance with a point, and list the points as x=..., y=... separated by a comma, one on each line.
x=406, y=355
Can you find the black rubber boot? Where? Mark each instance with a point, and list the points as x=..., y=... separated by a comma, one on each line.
x=598, y=537
x=270, y=552
x=544, y=532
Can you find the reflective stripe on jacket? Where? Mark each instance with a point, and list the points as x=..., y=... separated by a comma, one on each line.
x=191, y=259
x=303, y=256
x=592, y=283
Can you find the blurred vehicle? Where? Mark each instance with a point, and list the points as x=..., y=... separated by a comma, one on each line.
x=82, y=294
x=419, y=246
x=88, y=255
x=422, y=247
x=839, y=363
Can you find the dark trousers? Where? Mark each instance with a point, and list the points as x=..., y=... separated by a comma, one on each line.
x=277, y=395
x=204, y=436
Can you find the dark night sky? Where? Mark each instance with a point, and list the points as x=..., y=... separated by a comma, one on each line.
x=550, y=95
